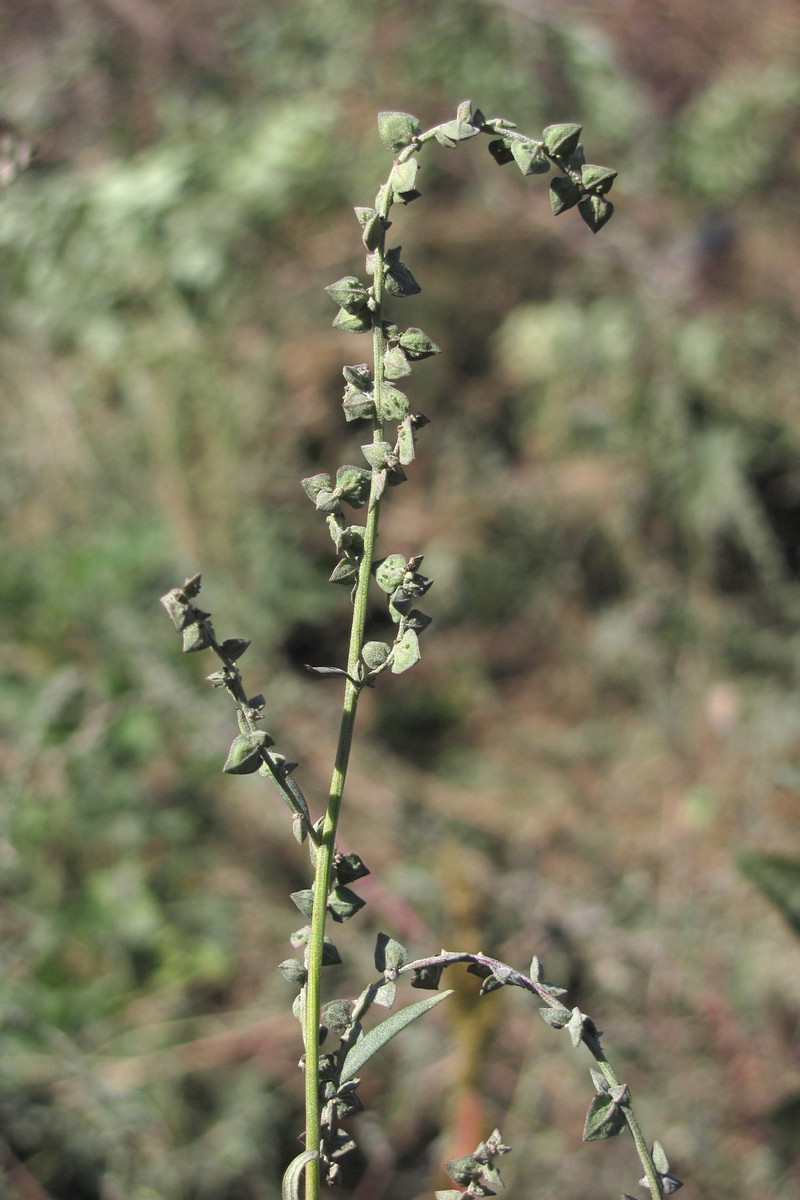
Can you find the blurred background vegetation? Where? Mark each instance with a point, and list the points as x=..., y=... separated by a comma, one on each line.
x=607, y=712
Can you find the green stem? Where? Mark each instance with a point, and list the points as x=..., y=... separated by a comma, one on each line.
x=327, y=844
x=645, y=1157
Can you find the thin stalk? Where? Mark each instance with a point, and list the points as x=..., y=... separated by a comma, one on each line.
x=327, y=845
x=645, y=1157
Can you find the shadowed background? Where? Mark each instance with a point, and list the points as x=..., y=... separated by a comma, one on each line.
x=608, y=498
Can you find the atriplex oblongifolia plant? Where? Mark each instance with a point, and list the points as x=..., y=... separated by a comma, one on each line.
x=371, y=394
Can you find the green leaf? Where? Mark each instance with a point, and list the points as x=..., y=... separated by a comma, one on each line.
x=314, y=484
x=375, y=654
x=349, y=867
x=779, y=879
x=457, y=131
x=395, y=363
x=294, y=1173
x=336, y=1016
x=196, y=637
x=417, y=620
x=358, y=406
x=386, y=994
x=389, y=572
x=294, y=971
x=373, y=227
x=376, y=453
x=561, y=140
x=406, y=652
x=327, y=502
x=354, y=485
x=178, y=608
x=234, y=648
x=345, y=571
x=564, y=194
x=330, y=955
x=405, y=442
x=349, y=293
x=596, y=211
x=358, y=376
x=389, y=954
x=397, y=129
x=373, y=1041
x=358, y=322
x=556, y=1017
x=599, y=1080
x=603, y=1120
x=417, y=345
x=463, y=1169
x=403, y=178
x=379, y=486
x=530, y=158
x=660, y=1160
x=244, y=756
x=304, y=901
x=500, y=151
x=394, y=403
x=191, y=586
x=343, y=904
x=373, y=232
x=597, y=179
x=400, y=282
x=427, y=978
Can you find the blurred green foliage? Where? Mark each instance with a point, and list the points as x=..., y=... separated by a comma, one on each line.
x=609, y=499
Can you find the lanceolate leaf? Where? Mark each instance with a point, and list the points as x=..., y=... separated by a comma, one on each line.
x=294, y=1174
x=779, y=879
x=373, y=1041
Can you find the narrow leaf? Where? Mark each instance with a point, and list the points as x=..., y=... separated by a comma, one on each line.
x=294, y=1174
x=779, y=879
x=376, y=1039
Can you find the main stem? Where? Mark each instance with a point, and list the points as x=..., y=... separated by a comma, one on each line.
x=327, y=845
